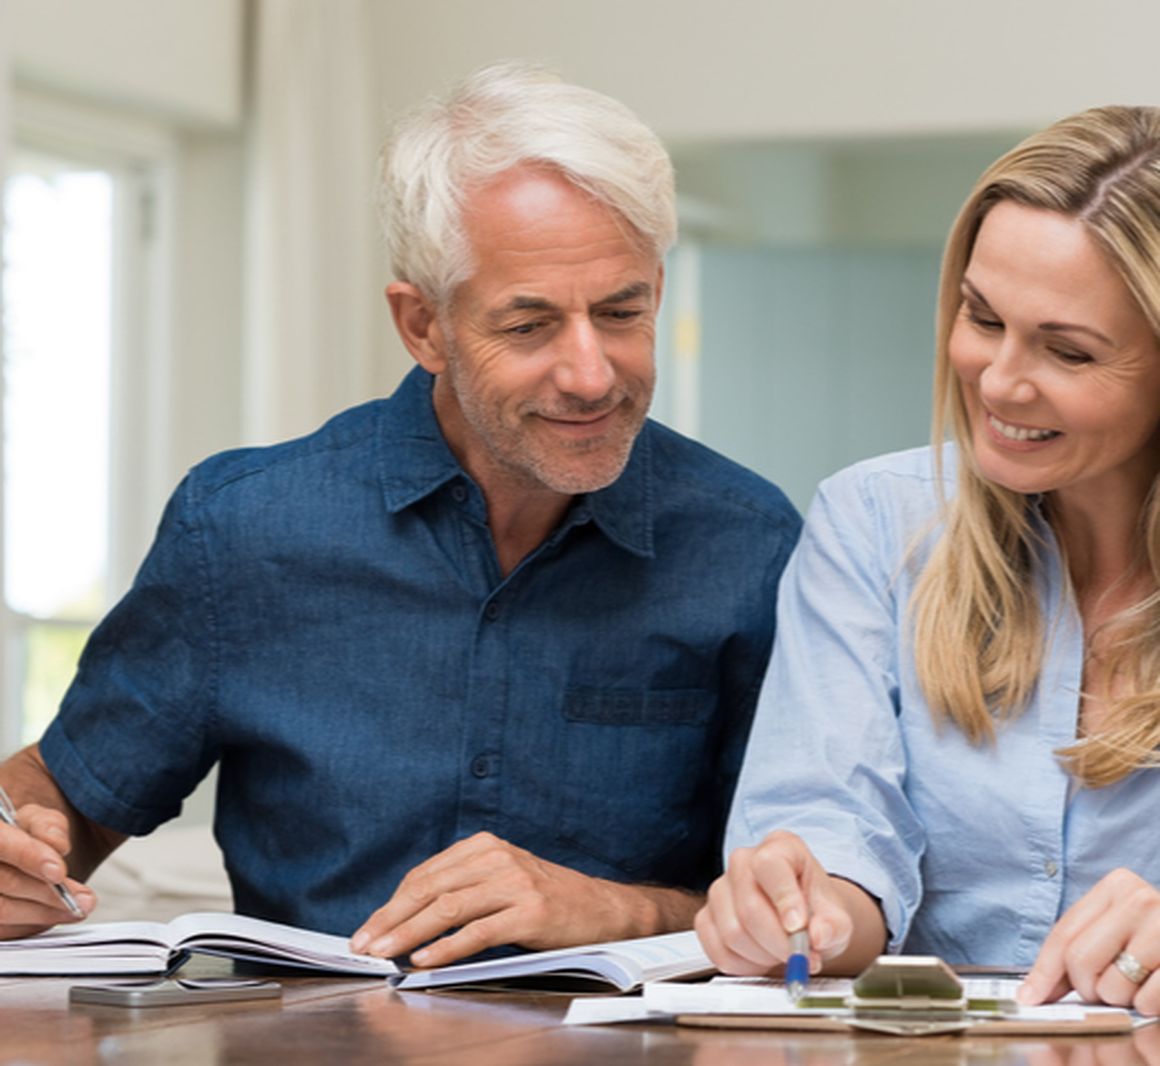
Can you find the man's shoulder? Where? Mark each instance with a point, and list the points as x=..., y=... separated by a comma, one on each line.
x=341, y=441
x=708, y=480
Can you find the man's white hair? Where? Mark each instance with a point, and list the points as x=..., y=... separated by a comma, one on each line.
x=504, y=116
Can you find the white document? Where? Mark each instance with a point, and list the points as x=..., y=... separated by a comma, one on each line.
x=610, y=1010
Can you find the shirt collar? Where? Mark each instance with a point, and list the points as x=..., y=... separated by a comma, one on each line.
x=624, y=510
x=415, y=461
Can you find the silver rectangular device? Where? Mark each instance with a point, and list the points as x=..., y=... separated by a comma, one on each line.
x=173, y=992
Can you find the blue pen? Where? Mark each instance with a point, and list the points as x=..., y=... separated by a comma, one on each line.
x=797, y=966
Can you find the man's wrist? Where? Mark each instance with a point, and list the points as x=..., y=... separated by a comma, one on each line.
x=650, y=910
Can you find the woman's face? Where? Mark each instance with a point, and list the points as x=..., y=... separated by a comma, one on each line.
x=1059, y=369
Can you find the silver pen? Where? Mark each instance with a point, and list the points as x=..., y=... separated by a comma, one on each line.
x=8, y=816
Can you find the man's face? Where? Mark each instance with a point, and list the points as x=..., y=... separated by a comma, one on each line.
x=549, y=345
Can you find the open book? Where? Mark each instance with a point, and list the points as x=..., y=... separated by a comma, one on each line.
x=615, y=966
x=155, y=947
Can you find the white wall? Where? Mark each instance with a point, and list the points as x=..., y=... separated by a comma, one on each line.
x=749, y=69
x=180, y=57
x=206, y=412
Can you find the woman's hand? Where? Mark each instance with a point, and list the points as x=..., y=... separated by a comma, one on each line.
x=1106, y=947
x=778, y=888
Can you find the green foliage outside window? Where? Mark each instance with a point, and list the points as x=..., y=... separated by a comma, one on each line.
x=50, y=662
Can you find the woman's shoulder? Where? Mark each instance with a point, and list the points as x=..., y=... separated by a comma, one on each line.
x=912, y=477
x=889, y=497
x=914, y=469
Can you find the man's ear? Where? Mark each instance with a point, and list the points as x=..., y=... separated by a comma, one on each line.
x=418, y=325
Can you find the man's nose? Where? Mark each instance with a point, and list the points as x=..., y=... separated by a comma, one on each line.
x=583, y=368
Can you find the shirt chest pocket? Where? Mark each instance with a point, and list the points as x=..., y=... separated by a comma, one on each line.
x=634, y=764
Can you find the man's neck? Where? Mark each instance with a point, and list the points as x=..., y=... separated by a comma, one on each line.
x=521, y=511
x=520, y=521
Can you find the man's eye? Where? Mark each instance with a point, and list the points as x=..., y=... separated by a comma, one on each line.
x=524, y=329
x=623, y=314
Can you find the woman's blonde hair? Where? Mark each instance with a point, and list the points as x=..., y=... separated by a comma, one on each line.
x=979, y=632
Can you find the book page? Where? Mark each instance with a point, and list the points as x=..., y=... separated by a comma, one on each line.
x=86, y=933
x=663, y=956
x=107, y=947
x=240, y=936
x=91, y=948
x=624, y=964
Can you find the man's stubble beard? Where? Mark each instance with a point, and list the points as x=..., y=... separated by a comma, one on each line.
x=516, y=451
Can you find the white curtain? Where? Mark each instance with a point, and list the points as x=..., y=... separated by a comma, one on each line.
x=318, y=332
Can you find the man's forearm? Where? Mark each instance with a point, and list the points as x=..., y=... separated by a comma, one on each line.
x=28, y=780
x=649, y=910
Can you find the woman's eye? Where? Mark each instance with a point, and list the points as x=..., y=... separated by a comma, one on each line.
x=982, y=321
x=1072, y=358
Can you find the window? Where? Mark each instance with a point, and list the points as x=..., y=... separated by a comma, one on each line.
x=56, y=378
x=81, y=299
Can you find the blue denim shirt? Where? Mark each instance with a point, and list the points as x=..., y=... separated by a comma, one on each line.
x=327, y=620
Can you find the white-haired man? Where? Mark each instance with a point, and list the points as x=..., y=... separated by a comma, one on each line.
x=477, y=662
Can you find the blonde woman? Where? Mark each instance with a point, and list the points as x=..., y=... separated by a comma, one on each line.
x=955, y=749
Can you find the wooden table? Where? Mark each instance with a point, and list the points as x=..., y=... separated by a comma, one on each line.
x=337, y=1021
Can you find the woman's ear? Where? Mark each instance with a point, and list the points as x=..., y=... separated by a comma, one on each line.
x=418, y=325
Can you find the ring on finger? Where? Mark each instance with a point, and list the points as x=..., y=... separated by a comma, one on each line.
x=1131, y=967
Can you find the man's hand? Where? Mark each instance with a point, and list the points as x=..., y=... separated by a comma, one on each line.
x=1106, y=947
x=32, y=855
x=32, y=860
x=491, y=893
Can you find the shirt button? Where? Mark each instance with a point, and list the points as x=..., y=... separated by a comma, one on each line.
x=459, y=493
x=1050, y=868
x=480, y=766
x=491, y=611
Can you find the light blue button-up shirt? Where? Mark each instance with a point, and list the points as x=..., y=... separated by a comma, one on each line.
x=974, y=852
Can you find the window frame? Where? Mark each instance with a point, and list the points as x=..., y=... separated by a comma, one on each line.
x=142, y=156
